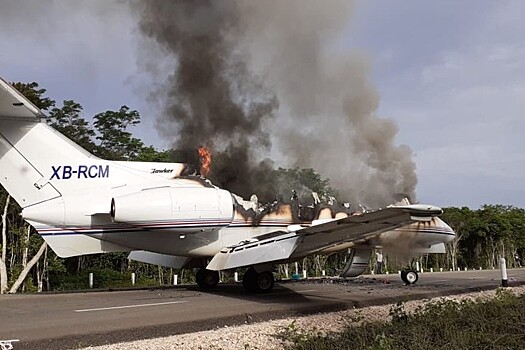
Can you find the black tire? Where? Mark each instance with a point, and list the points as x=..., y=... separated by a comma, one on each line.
x=207, y=279
x=409, y=276
x=255, y=282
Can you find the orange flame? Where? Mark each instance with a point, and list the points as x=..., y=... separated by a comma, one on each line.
x=205, y=157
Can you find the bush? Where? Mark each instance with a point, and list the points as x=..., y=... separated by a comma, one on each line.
x=497, y=323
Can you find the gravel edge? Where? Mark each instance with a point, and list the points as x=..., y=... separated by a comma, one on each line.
x=262, y=335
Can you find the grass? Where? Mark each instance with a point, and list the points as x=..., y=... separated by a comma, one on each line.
x=497, y=323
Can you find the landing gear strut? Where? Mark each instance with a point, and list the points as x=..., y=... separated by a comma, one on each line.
x=409, y=276
x=207, y=279
x=258, y=282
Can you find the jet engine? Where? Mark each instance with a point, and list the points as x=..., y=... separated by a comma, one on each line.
x=190, y=209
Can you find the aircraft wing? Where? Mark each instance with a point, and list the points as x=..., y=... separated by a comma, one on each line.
x=299, y=241
x=14, y=105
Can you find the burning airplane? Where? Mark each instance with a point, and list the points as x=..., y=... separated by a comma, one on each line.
x=80, y=204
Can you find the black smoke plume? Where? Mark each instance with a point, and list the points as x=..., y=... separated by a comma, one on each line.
x=211, y=98
x=250, y=79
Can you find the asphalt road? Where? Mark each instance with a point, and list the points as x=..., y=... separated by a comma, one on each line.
x=73, y=320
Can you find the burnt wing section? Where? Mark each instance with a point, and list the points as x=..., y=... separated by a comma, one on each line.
x=288, y=212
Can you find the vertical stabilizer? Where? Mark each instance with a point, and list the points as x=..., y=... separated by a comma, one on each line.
x=27, y=149
x=24, y=182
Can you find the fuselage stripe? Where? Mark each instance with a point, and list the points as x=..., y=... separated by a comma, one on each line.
x=111, y=229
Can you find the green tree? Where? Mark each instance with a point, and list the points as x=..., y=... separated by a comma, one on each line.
x=491, y=231
x=116, y=143
x=151, y=154
x=516, y=218
x=484, y=235
x=461, y=221
x=68, y=120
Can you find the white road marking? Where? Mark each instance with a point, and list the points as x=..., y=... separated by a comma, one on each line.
x=130, y=306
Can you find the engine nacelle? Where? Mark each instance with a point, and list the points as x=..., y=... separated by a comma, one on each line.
x=183, y=209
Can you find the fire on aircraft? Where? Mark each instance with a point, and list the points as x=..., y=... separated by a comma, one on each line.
x=164, y=214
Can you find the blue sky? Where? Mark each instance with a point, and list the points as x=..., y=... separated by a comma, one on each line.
x=450, y=73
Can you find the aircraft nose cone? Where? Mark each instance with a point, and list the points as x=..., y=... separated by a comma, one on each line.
x=445, y=229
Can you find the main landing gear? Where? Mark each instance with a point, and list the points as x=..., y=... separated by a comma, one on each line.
x=258, y=282
x=253, y=281
x=409, y=276
x=207, y=279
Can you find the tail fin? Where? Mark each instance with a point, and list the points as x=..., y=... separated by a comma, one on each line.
x=27, y=147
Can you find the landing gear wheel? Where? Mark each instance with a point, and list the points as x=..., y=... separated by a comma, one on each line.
x=255, y=282
x=409, y=276
x=265, y=282
x=207, y=279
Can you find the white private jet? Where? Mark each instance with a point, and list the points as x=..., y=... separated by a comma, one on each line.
x=81, y=204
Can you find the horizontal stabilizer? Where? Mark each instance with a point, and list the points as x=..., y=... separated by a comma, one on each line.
x=255, y=252
x=176, y=262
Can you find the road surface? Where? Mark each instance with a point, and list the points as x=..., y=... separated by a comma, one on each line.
x=73, y=320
